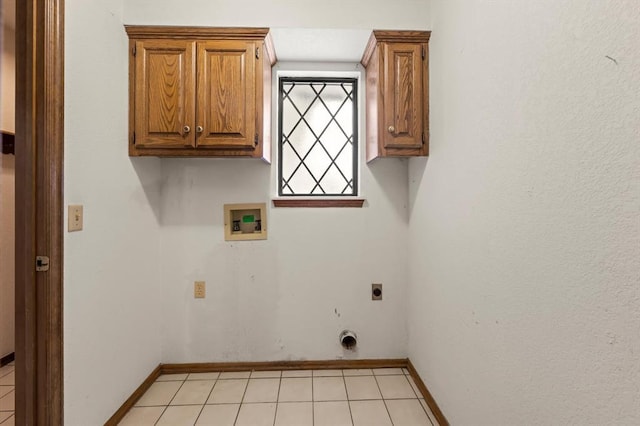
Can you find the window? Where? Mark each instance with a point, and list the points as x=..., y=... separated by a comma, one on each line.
x=318, y=137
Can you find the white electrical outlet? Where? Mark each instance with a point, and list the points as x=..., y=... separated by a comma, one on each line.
x=199, y=290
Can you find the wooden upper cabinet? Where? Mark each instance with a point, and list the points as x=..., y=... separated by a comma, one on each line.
x=164, y=102
x=200, y=91
x=397, y=85
x=403, y=93
x=227, y=94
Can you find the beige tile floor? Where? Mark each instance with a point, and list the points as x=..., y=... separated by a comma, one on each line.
x=7, y=394
x=378, y=397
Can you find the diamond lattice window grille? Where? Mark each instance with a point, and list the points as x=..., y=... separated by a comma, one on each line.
x=318, y=137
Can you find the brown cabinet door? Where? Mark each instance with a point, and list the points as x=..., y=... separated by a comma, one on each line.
x=402, y=126
x=164, y=96
x=226, y=96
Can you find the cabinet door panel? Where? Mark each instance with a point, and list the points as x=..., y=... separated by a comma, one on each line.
x=164, y=99
x=402, y=125
x=226, y=98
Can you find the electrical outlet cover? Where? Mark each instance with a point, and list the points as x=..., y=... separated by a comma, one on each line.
x=199, y=289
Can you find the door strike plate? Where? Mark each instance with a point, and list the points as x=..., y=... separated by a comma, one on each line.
x=42, y=263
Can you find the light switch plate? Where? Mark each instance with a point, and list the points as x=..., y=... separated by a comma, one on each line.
x=199, y=289
x=75, y=217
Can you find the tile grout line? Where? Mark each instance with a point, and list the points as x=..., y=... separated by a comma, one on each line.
x=421, y=398
x=172, y=398
x=206, y=399
x=9, y=418
x=412, y=388
x=428, y=416
x=418, y=396
x=13, y=388
x=242, y=399
x=313, y=403
x=14, y=404
x=346, y=392
x=384, y=401
x=275, y=415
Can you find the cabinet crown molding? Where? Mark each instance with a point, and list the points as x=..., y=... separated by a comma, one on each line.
x=171, y=32
x=208, y=33
x=392, y=36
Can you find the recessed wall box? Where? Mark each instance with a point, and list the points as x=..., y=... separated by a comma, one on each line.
x=376, y=291
x=245, y=222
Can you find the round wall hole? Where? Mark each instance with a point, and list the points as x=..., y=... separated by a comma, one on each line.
x=349, y=342
x=348, y=339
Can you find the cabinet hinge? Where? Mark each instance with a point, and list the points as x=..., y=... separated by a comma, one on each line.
x=257, y=53
x=133, y=50
x=255, y=139
x=424, y=52
x=423, y=141
x=134, y=138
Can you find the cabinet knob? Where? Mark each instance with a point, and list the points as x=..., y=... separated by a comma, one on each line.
x=186, y=129
x=199, y=129
x=391, y=129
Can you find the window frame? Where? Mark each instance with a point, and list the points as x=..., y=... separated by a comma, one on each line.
x=345, y=77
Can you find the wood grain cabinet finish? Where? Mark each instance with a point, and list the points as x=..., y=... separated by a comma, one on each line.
x=200, y=91
x=397, y=85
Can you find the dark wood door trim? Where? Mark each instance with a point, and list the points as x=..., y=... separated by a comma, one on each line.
x=39, y=210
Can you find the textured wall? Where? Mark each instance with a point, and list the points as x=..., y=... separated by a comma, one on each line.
x=111, y=275
x=524, y=230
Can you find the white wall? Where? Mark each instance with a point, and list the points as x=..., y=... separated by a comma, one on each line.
x=379, y=14
x=7, y=189
x=290, y=296
x=153, y=226
x=525, y=237
x=111, y=278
